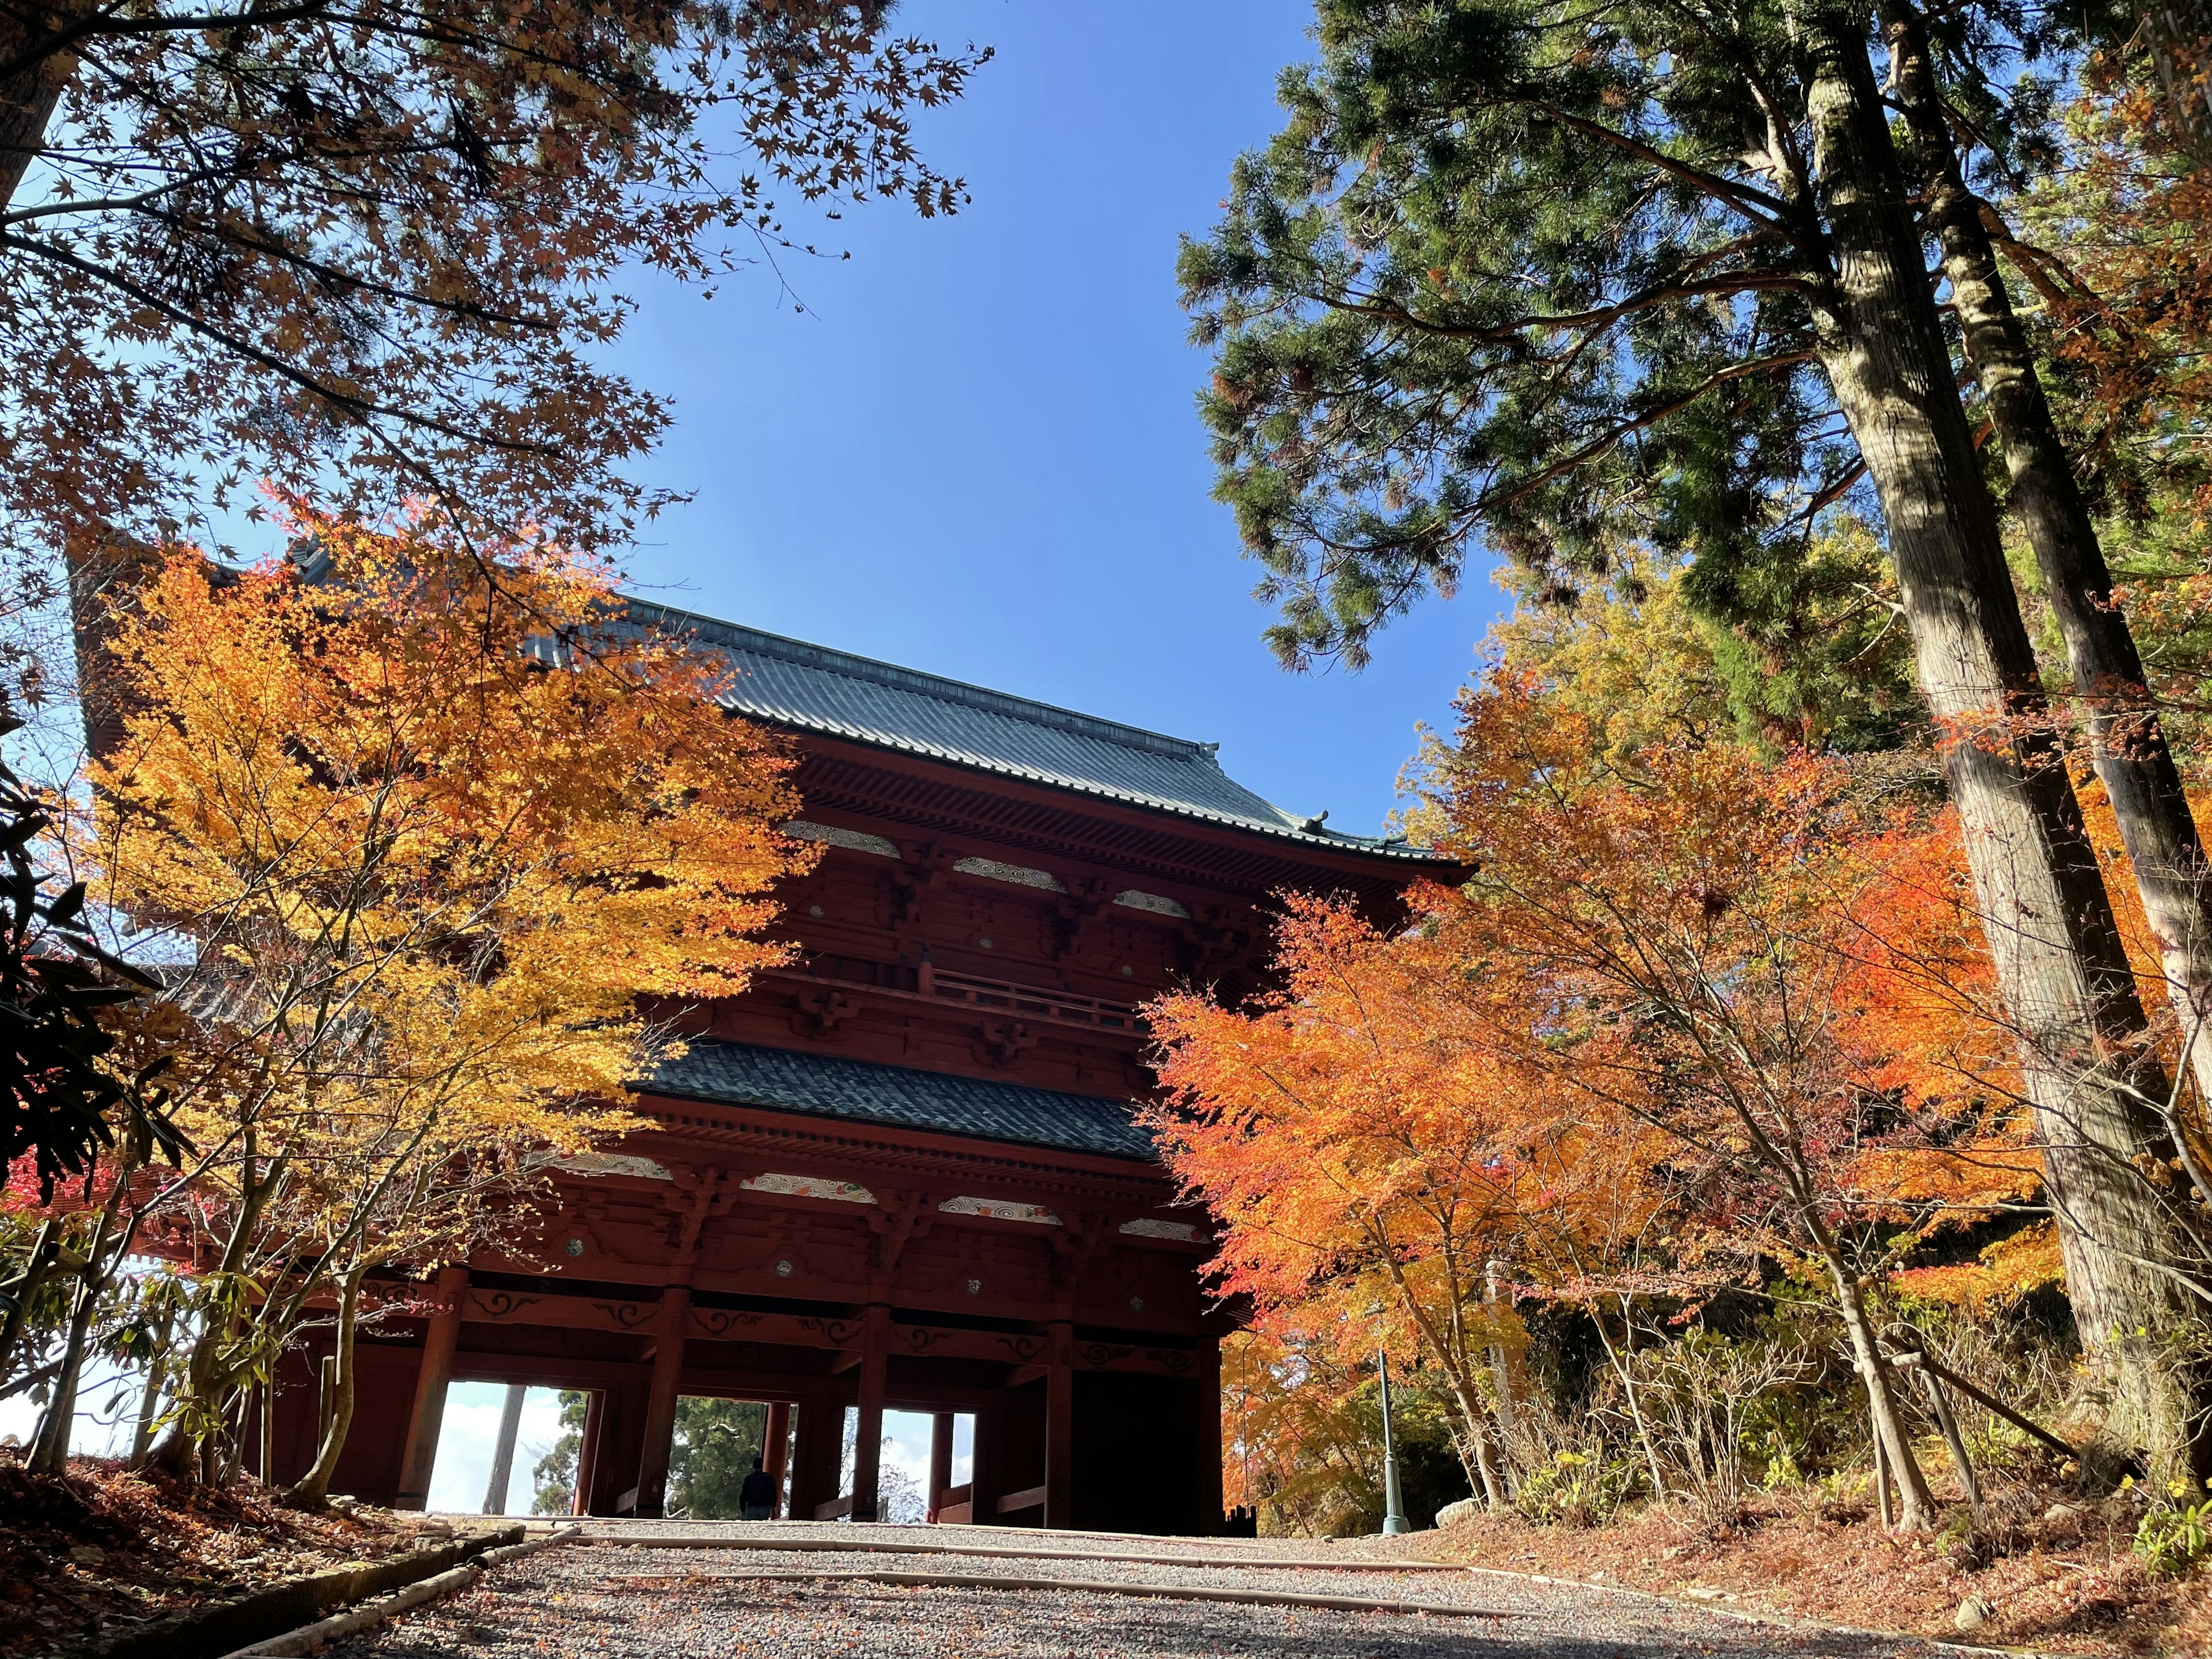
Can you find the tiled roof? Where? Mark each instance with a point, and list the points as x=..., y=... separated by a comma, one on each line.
x=809, y=688
x=826, y=1085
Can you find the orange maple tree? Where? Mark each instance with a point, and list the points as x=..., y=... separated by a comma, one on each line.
x=1693, y=1012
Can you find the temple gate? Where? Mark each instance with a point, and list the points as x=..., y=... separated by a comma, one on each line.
x=903, y=1173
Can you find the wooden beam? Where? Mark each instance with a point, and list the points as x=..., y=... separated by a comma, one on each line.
x=439, y=1343
x=1029, y=1497
x=849, y=1360
x=1025, y=1375
x=836, y=1509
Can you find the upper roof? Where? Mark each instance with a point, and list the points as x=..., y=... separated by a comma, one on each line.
x=829, y=1085
x=810, y=688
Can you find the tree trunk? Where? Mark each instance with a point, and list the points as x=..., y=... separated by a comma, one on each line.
x=149, y=1402
x=312, y=1489
x=103, y=1251
x=50, y=1451
x=196, y=1392
x=2180, y=38
x=2060, y=965
x=27, y=98
x=45, y=1249
x=2171, y=871
x=1891, y=1443
x=502, y=1454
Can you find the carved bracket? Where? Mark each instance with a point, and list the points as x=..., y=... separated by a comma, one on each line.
x=821, y=1012
x=1001, y=1042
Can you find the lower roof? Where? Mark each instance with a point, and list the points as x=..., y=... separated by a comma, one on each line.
x=859, y=1091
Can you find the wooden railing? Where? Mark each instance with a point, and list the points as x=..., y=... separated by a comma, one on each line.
x=1003, y=996
x=1029, y=1497
x=955, y=1506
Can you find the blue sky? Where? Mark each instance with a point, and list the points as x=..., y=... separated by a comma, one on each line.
x=979, y=456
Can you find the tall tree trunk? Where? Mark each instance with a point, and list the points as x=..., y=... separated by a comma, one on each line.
x=2181, y=44
x=2172, y=874
x=502, y=1454
x=312, y=1489
x=2060, y=965
x=28, y=97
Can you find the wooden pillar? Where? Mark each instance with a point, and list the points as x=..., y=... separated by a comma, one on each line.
x=940, y=1462
x=986, y=1480
x=621, y=1438
x=430, y=1385
x=587, y=1451
x=868, y=1436
x=1206, y=1451
x=1059, y=1427
x=660, y=1402
x=820, y=1442
x=776, y=1444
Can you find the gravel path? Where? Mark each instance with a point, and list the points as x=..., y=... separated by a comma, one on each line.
x=603, y=1601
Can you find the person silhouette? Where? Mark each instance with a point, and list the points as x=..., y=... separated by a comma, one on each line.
x=756, y=1497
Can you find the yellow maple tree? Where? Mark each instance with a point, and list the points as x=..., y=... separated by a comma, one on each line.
x=435, y=832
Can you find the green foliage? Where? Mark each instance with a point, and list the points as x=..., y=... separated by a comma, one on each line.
x=716, y=1442
x=553, y=1476
x=2174, y=1537
x=1575, y=1489
x=1462, y=300
x=1660, y=653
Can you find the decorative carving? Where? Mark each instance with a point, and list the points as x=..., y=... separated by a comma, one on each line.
x=834, y=1332
x=1001, y=1209
x=1022, y=1348
x=631, y=1316
x=720, y=1322
x=503, y=1304
x=921, y=1338
x=1175, y=1359
x=1100, y=1355
x=836, y=1191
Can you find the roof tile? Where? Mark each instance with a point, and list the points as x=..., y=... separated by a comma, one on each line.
x=829, y=1085
x=810, y=688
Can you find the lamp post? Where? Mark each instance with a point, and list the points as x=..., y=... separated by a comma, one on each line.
x=1393, y=1518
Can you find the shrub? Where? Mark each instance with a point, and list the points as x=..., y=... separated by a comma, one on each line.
x=2174, y=1537
x=1575, y=1489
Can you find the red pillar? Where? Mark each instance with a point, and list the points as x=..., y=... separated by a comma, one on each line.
x=660, y=1402
x=1208, y=1451
x=587, y=1451
x=940, y=1462
x=776, y=1444
x=868, y=1436
x=430, y=1383
x=621, y=1437
x=984, y=1482
x=821, y=1439
x=1059, y=1427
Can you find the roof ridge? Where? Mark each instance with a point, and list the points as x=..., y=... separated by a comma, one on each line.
x=809, y=655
